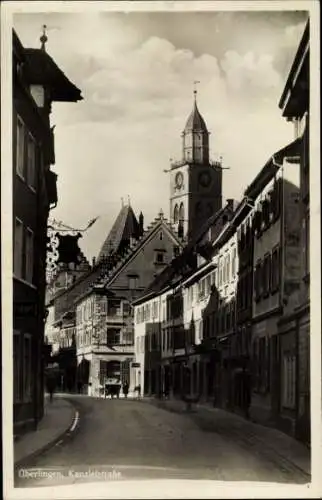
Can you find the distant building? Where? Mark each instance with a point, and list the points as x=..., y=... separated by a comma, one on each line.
x=64, y=276
x=169, y=318
x=37, y=82
x=195, y=180
x=97, y=304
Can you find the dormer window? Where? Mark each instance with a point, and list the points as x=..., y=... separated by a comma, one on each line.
x=38, y=94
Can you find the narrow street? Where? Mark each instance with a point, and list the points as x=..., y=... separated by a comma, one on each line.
x=137, y=440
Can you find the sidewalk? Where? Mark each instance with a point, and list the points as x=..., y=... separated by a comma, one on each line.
x=58, y=418
x=267, y=440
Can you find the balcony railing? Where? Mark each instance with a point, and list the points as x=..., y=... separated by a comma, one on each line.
x=180, y=163
x=120, y=347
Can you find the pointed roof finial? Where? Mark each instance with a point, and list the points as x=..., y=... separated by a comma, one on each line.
x=195, y=83
x=43, y=38
x=128, y=200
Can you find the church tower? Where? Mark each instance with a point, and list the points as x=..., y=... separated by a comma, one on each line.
x=195, y=181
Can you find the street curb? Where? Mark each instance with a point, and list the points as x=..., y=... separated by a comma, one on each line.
x=70, y=429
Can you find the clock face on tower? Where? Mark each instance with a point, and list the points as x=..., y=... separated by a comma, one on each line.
x=204, y=178
x=179, y=180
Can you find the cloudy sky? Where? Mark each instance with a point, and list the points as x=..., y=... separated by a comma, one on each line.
x=136, y=73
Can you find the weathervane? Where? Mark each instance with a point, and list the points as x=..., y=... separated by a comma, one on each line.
x=195, y=83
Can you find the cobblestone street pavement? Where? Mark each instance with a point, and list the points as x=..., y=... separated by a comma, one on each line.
x=126, y=439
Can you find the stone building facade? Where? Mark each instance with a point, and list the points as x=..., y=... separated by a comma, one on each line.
x=295, y=107
x=169, y=319
x=104, y=317
x=37, y=83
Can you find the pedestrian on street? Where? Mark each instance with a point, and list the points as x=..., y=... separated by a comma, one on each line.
x=51, y=387
x=125, y=389
x=138, y=390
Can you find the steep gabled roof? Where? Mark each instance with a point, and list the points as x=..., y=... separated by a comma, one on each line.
x=132, y=251
x=301, y=60
x=41, y=69
x=124, y=227
x=17, y=47
x=108, y=268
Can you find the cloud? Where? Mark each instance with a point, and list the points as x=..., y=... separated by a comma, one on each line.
x=147, y=82
x=250, y=72
x=137, y=97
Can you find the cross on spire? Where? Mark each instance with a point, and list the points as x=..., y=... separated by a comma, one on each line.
x=43, y=37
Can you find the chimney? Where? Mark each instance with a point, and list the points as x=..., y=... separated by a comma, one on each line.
x=141, y=224
x=93, y=261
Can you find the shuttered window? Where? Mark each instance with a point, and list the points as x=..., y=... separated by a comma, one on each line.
x=20, y=148
x=31, y=162
x=18, y=249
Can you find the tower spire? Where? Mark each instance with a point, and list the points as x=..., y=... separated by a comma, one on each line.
x=43, y=38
